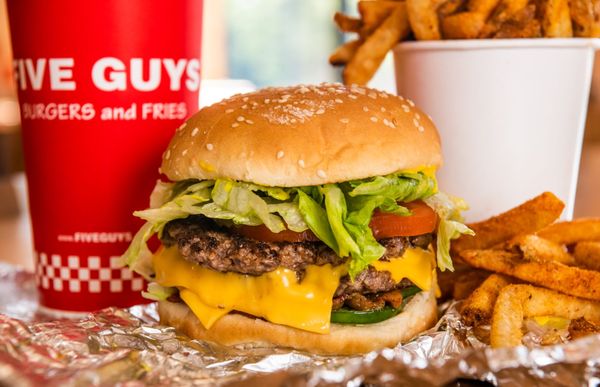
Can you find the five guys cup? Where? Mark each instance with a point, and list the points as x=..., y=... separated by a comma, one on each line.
x=102, y=86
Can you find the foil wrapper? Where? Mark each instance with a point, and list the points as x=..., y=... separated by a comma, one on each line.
x=129, y=347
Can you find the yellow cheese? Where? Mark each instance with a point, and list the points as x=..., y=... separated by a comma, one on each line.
x=276, y=296
x=552, y=322
x=415, y=264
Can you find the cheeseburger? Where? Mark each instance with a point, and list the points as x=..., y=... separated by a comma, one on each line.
x=306, y=217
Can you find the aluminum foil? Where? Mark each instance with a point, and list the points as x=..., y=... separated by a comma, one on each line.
x=130, y=348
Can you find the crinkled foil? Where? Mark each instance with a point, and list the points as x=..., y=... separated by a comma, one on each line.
x=128, y=347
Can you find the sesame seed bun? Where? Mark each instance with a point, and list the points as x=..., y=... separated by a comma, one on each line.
x=303, y=135
x=419, y=314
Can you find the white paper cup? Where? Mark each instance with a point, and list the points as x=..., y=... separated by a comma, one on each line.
x=511, y=114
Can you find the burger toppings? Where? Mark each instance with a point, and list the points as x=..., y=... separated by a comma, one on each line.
x=277, y=296
x=339, y=214
x=357, y=315
x=202, y=241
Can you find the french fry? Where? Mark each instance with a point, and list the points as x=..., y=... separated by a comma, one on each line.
x=449, y=7
x=505, y=11
x=523, y=25
x=464, y=25
x=556, y=21
x=468, y=25
x=517, y=302
x=467, y=282
x=346, y=23
x=567, y=233
x=478, y=308
x=580, y=327
x=368, y=57
x=523, y=219
x=344, y=53
x=373, y=13
x=423, y=18
x=447, y=279
x=483, y=7
x=535, y=248
x=582, y=17
x=587, y=255
x=554, y=275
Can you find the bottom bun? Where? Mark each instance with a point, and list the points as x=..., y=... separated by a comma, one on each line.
x=419, y=314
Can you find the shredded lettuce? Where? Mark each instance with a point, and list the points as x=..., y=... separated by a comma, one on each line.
x=157, y=292
x=338, y=214
x=450, y=227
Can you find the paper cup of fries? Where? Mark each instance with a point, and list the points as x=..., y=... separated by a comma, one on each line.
x=511, y=114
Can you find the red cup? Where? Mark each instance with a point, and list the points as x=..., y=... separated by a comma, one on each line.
x=102, y=86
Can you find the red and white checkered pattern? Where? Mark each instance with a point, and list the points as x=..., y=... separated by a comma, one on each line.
x=88, y=275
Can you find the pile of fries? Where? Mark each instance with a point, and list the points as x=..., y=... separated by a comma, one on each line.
x=383, y=23
x=522, y=271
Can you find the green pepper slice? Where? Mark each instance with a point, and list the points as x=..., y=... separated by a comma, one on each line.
x=349, y=316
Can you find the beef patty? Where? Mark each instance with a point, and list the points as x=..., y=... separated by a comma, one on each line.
x=202, y=241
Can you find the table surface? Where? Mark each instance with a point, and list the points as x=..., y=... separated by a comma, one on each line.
x=15, y=229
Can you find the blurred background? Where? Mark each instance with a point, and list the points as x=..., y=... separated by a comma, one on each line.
x=285, y=42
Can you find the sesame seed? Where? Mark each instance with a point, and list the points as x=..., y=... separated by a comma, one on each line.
x=383, y=95
x=344, y=120
x=301, y=163
x=240, y=119
x=229, y=111
x=249, y=122
x=293, y=121
x=365, y=109
x=245, y=99
x=352, y=96
x=373, y=118
x=244, y=106
x=168, y=154
x=320, y=111
x=280, y=154
x=421, y=128
x=416, y=122
x=405, y=108
x=382, y=109
x=321, y=173
x=417, y=116
x=195, y=132
x=410, y=102
x=339, y=100
x=386, y=122
x=184, y=152
x=235, y=125
x=267, y=100
x=359, y=90
x=182, y=126
x=210, y=146
x=372, y=95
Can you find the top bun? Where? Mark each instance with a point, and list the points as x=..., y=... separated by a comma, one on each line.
x=303, y=135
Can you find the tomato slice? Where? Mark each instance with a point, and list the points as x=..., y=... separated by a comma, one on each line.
x=423, y=220
x=262, y=233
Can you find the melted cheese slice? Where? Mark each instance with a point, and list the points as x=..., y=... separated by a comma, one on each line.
x=276, y=296
x=415, y=264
